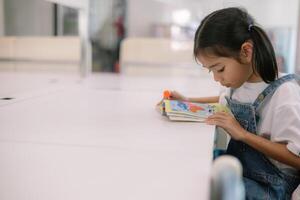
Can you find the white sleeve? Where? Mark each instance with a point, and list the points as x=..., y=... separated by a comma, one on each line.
x=286, y=119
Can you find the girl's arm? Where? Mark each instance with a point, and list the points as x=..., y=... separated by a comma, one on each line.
x=178, y=96
x=274, y=150
x=214, y=99
x=195, y=100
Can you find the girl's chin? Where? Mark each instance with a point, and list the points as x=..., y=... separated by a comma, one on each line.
x=235, y=86
x=226, y=85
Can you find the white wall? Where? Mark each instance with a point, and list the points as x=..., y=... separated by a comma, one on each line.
x=142, y=14
x=277, y=13
x=270, y=13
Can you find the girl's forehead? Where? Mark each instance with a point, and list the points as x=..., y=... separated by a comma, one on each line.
x=209, y=61
x=208, y=58
x=213, y=58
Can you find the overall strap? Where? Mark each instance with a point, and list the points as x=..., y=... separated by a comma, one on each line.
x=271, y=88
x=231, y=92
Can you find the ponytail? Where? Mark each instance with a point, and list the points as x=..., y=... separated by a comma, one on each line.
x=263, y=57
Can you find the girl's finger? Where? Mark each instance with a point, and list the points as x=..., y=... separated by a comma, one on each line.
x=221, y=114
x=215, y=116
x=217, y=122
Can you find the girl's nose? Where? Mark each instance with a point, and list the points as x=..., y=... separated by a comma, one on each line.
x=217, y=78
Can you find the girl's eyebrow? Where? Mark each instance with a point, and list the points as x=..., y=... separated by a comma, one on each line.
x=212, y=66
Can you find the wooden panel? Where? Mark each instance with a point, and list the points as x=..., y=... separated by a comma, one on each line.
x=48, y=48
x=7, y=47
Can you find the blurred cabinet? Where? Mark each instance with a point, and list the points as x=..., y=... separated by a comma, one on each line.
x=28, y=18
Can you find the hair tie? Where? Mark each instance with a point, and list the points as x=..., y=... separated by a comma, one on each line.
x=250, y=26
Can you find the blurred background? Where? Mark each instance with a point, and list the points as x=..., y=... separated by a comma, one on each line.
x=105, y=24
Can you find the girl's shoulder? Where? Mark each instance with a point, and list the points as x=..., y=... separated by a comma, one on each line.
x=291, y=87
x=287, y=94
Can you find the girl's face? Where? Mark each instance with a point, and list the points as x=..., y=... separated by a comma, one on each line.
x=228, y=71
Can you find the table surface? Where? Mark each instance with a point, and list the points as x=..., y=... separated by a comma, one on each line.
x=64, y=137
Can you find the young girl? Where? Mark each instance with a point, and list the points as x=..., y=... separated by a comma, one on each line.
x=265, y=129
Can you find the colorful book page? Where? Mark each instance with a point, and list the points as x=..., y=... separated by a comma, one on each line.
x=190, y=109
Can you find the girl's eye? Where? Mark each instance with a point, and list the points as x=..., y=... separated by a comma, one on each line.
x=221, y=70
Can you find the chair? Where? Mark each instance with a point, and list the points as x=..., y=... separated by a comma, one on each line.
x=51, y=54
x=296, y=194
x=221, y=142
x=226, y=179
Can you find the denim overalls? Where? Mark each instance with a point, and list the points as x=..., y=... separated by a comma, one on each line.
x=262, y=179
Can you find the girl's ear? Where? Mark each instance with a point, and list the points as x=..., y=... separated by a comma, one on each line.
x=246, y=51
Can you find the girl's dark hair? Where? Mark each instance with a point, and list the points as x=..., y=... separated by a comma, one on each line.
x=223, y=32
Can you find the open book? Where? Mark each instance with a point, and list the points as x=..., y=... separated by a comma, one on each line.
x=189, y=111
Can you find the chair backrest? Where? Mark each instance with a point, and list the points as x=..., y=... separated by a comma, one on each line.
x=39, y=54
x=296, y=194
x=226, y=180
x=157, y=56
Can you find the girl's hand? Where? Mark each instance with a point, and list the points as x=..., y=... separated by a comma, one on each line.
x=175, y=96
x=229, y=123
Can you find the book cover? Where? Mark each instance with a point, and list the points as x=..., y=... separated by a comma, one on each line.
x=189, y=111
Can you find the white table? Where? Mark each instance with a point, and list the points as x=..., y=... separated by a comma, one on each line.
x=100, y=138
